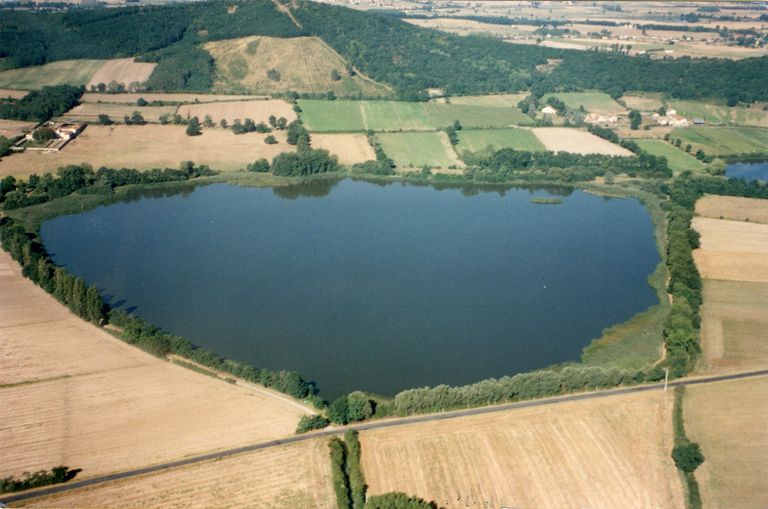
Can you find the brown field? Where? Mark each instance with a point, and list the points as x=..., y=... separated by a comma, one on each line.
x=601, y=453
x=489, y=100
x=295, y=476
x=149, y=146
x=734, y=208
x=730, y=422
x=643, y=101
x=91, y=97
x=91, y=111
x=5, y=93
x=72, y=394
x=122, y=70
x=732, y=250
x=734, y=326
x=350, y=148
x=258, y=111
x=576, y=141
x=11, y=128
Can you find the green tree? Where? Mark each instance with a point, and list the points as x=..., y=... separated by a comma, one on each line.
x=193, y=127
x=359, y=407
x=104, y=119
x=44, y=134
x=137, y=118
x=397, y=501
x=270, y=140
x=141, y=102
x=687, y=456
x=335, y=76
x=259, y=166
x=337, y=411
x=310, y=422
x=208, y=121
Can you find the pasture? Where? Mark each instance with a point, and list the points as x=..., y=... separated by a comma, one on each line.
x=328, y=116
x=122, y=70
x=642, y=101
x=576, y=141
x=732, y=250
x=720, y=114
x=258, y=111
x=679, y=160
x=598, y=102
x=599, y=453
x=149, y=146
x=304, y=64
x=518, y=139
x=724, y=140
x=90, y=111
x=730, y=422
x=350, y=148
x=419, y=149
x=58, y=372
x=64, y=72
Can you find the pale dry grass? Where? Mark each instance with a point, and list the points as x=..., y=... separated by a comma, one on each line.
x=295, y=476
x=5, y=93
x=11, y=128
x=730, y=422
x=733, y=207
x=72, y=394
x=258, y=111
x=90, y=112
x=149, y=146
x=350, y=148
x=603, y=453
x=559, y=139
x=122, y=70
x=732, y=250
x=91, y=97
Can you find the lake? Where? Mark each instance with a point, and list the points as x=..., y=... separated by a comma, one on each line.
x=371, y=287
x=748, y=171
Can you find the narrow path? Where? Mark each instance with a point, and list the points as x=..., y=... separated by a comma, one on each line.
x=287, y=11
x=372, y=425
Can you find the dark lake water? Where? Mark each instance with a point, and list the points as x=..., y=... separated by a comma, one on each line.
x=748, y=171
x=363, y=286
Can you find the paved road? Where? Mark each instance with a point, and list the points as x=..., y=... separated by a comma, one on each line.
x=373, y=425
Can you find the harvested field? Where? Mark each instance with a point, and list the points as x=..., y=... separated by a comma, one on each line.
x=258, y=111
x=561, y=139
x=64, y=72
x=732, y=250
x=90, y=111
x=724, y=140
x=11, y=128
x=518, y=139
x=6, y=93
x=91, y=97
x=598, y=102
x=296, y=476
x=509, y=100
x=304, y=64
x=734, y=208
x=122, y=70
x=600, y=453
x=730, y=422
x=149, y=146
x=419, y=149
x=679, y=160
x=350, y=148
x=57, y=373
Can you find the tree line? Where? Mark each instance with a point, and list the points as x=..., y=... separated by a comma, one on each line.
x=43, y=104
x=37, y=479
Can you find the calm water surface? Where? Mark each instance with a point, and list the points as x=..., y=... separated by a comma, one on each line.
x=748, y=171
x=362, y=286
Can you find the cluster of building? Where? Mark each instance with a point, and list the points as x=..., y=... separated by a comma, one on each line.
x=64, y=131
x=672, y=119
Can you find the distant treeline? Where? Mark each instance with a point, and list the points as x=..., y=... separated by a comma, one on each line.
x=40, y=105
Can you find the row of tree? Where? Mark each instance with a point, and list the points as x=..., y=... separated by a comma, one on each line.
x=347, y=471
x=35, y=479
x=43, y=104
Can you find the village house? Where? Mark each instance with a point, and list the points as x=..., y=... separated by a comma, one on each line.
x=600, y=118
x=671, y=119
x=65, y=132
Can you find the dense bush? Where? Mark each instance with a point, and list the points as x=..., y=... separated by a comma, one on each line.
x=304, y=162
x=35, y=480
x=397, y=501
x=338, y=453
x=310, y=422
x=687, y=456
x=354, y=470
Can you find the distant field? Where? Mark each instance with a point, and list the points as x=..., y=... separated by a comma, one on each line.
x=350, y=148
x=732, y=250
x=724, y=140
x=405, y=116
x=122, y=70
x=510, y=100
x=419, y=149
x=678, y=159
x=598, y=102
x=296, y=476
x=6, y=93
x=65, y=72
x=721, y=114
x=643, y=101
x=305, y=64
x=600, y=453
x=518, y=139
x=730, y=422
x=258, y=111
x=576, y=141
x=91, y=97
x=91, y=111
x=733, y=207
x=149, y=146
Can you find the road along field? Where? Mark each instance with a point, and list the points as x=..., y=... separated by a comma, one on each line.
x=598, y=102
x=149, y=146
x=303, y=64
x=419, y=149
x=258, y=111
x=343, y=116
x=724, y=140
x=515, y=138
x=91, y=97
x=64, y=72
x=295, y=476
x=11, y=128
x=350, y=148
x=564, y=139
x=122, y=70
x=732, y=250
x=679, y=160
x=90, y=112
x=572, y=455
x=73, y=395
x=730, y=422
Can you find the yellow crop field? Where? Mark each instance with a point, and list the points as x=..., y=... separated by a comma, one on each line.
x=258, y=111
x=122, y=70
x=576, y=141
x=350, y=148
x=733, y=207
x=732, y=250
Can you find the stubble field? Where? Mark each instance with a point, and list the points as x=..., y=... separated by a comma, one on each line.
x=732, y=250
x=122, y=70
x=92, y=97
x=90, y=112
x=350, y=148
x=563, y=139
x=258, y=111
x=11, y=128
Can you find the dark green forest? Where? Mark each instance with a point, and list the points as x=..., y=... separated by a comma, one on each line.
x=389, y=50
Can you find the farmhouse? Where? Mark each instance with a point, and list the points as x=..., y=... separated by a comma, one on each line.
x=64, y=131
x=599, y=118
x=549, y=110
x=671, y=119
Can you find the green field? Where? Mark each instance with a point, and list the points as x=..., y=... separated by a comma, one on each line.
x=489, y=100
x=678, y=159
x=724, y=140
x=599, y=102
x=343, y=116
x=65, y=72
x=418, y=149
x=721, y=114
x=643, y=101
x=518, y=139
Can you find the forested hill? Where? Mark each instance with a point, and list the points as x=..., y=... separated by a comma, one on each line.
x=389, y=50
